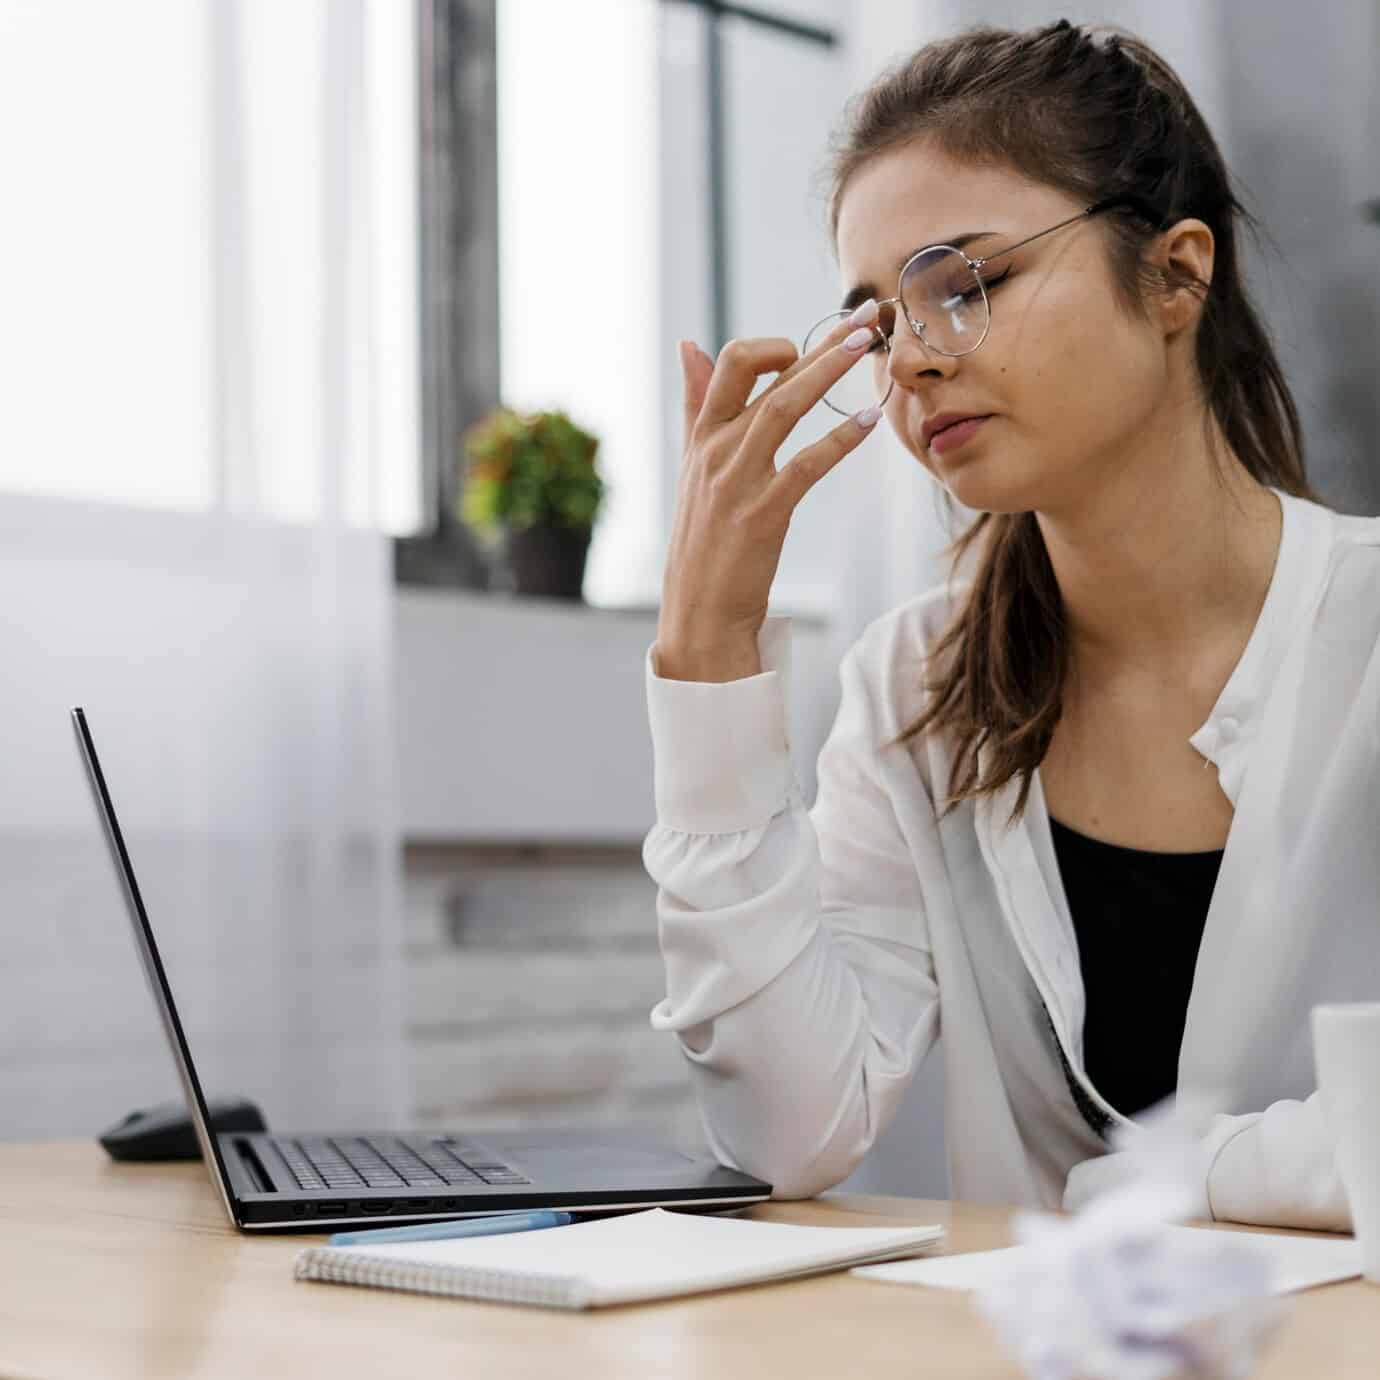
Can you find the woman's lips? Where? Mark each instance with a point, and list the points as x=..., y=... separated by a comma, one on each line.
x=953, y=436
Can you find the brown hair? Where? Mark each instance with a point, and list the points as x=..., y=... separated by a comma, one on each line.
x=1097, y=120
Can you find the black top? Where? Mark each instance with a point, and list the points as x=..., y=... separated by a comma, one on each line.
x=1139, y=919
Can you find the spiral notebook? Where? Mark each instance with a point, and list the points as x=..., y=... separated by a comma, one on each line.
x=626, y=1259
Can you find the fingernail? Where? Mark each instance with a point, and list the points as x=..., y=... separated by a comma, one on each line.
x=684, y=357
x=858, y=339
x=869, y=416
x=864, y=314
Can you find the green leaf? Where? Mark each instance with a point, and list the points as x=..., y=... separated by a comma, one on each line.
x=522, y=469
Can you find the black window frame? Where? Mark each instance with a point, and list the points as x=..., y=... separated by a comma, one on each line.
x=457, y=274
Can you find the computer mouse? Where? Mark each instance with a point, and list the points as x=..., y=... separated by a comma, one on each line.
x=165, y=1132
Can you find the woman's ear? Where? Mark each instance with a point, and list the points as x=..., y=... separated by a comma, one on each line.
x=1188, y=247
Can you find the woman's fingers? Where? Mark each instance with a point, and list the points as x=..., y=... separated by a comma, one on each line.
x=696, y=370
x=733, y=508
x=801, y=382
x=741, y=362
x=775, y=414
x=865, y=315
x=806, y=468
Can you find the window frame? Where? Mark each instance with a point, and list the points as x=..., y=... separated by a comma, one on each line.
x=458, y=269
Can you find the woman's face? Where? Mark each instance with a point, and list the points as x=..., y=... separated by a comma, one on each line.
x=1073, y=385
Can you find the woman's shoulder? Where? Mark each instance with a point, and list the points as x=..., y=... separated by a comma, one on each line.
x=1326, y=523
x=1351, y=564
x=1353, y=529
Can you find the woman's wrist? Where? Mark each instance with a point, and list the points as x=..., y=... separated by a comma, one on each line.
x=715, y=663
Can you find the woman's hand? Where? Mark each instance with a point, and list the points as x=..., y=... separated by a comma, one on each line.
x=733, y=506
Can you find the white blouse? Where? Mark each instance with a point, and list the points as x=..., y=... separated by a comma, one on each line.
x=813, y=956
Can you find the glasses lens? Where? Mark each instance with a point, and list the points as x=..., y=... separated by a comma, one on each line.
x=867, y=382
x=945, y=298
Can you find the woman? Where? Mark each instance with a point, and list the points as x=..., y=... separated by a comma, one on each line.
x=1105, y=809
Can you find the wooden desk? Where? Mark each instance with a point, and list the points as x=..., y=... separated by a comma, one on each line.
x=117, y=1271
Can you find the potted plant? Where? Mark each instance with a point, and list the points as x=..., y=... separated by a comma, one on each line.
x=530, y=485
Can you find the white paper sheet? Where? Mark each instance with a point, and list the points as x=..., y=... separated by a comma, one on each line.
x=1297, y=1262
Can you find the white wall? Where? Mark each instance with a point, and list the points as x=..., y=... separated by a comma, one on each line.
x=1302, y=105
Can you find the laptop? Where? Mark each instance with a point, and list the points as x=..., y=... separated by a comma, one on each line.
x=276, y=1181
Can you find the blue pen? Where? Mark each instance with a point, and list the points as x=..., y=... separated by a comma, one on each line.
x=444, y=1231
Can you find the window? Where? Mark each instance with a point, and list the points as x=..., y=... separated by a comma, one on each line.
x=749, y=98
x=580, y=321
x=162, y=267
x=105, y=346
x=539, y=251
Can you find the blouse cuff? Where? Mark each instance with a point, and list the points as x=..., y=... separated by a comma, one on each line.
x=721, y=750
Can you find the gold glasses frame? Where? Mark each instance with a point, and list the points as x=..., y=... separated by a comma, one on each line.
x=975, y=266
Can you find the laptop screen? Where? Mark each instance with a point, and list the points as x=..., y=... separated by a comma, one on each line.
x=152, y=958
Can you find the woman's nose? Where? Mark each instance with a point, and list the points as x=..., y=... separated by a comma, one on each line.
x=910, y=355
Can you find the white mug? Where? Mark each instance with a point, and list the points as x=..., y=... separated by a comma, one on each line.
x=1346, y=1053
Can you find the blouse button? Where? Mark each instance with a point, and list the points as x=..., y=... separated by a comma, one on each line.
x=1229, y=729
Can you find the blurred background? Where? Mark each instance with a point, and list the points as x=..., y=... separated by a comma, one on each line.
x=262, y=266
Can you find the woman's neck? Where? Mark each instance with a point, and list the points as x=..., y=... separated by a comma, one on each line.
x=1161, y=565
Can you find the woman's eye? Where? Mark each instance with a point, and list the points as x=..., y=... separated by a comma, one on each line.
x=972, y=294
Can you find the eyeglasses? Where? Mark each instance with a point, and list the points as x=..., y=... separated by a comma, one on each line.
x=943, y=297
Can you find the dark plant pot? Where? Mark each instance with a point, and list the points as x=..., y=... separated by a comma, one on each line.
x=547, y=560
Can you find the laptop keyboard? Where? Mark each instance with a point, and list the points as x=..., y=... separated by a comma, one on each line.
x=386, y=1162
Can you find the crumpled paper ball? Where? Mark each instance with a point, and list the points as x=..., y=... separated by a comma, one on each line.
x=1115, y=1293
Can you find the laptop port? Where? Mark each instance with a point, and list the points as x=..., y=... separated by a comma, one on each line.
x=376, y=1205
x=328, y=1209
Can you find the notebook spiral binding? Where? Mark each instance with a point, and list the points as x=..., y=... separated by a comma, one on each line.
x=333, y=1266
